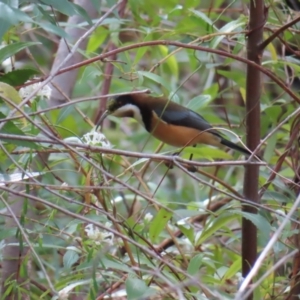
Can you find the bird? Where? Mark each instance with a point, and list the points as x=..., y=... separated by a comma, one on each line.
x=167, y=121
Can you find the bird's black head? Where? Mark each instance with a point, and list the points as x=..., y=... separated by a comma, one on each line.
x=115, y=104
x=130, y=106
x=125, y=106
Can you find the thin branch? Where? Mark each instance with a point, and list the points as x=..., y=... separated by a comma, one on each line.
x=264, y=253
x=29, y=245
x=100, y=225
x=188, y=46
x=268, y=273
x=159, y=157
x=80, y=100
x=55, y=71
x=269, y=40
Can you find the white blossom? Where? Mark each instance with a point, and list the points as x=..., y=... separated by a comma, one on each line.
x=45, y=91
x=148, y=217
x=99, y=237
x=96, y=138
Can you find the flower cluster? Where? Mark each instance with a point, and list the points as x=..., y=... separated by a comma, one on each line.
x=96, y=138
x=44, y=91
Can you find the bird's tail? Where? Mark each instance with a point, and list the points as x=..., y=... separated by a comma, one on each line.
x=235, y=146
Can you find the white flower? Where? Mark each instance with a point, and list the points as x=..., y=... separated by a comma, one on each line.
x=97, y=236
x=96, y=138
x=73, y=139
x=45, y=91
x=148, y=217
x=63, y=295
x=7, y=63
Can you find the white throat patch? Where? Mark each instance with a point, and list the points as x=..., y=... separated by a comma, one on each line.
x=129, y=109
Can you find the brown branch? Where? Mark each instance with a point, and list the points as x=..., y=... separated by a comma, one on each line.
x=246, y=61
x=167, y=243
x=265, y=43
x=188, y=46
x=279, y=163
x=109, y=68
x=97, y=149
x=253, y=94
x=41, y=111
x=14, y=255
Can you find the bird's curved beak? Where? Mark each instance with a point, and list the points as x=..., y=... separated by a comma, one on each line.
x=104, y=115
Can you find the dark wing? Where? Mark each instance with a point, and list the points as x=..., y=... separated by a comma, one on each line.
x=181, y=116
x=176, y=115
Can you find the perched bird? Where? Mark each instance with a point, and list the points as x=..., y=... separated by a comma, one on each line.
x=169, y=122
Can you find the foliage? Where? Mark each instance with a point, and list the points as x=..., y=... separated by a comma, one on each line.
x=114, y=223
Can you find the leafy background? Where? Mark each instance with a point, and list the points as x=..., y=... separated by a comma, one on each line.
x=94, y=222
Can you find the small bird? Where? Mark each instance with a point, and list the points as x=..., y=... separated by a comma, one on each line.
x=167, y=121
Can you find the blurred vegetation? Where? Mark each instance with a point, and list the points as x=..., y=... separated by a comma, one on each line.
x=112, y=225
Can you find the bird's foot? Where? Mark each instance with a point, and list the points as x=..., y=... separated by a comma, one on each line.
x=191, y=169
x=170, y=164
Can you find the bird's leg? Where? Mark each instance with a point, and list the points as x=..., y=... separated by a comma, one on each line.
x=191, y=168
x=169, y=164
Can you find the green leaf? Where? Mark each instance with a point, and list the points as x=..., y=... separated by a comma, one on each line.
x=195, y=264
x=7, y=92
x=199, y=102
x=270, y=148
x=10, y=128
x=156, y=78
x=70, y=258
x=180, y=214
x=203, y=17
x=194, y=26
x=11, y=49
x=4, y=27
x=188, y=232
x=259, y=221
x=54, y=29
x=137, y=289
x=171, y=61
x=82, y=12
x=140, y=53
x=64, y=113
x=5, y=160
x=8, y=232
x=18, y=77
x=212, y=227
x=68, y=8
x=62, y=6
x=111, y=263
x=212, y=90
x=159, y=223
x=206, y=152
x=233, y=269
x=97, y=39
x=276, y=196
x=281, y=186
x=10, y=16
x=273, y=112
x=46, y=14
x=13, y=16
x=227, y=28
x=238, y=76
